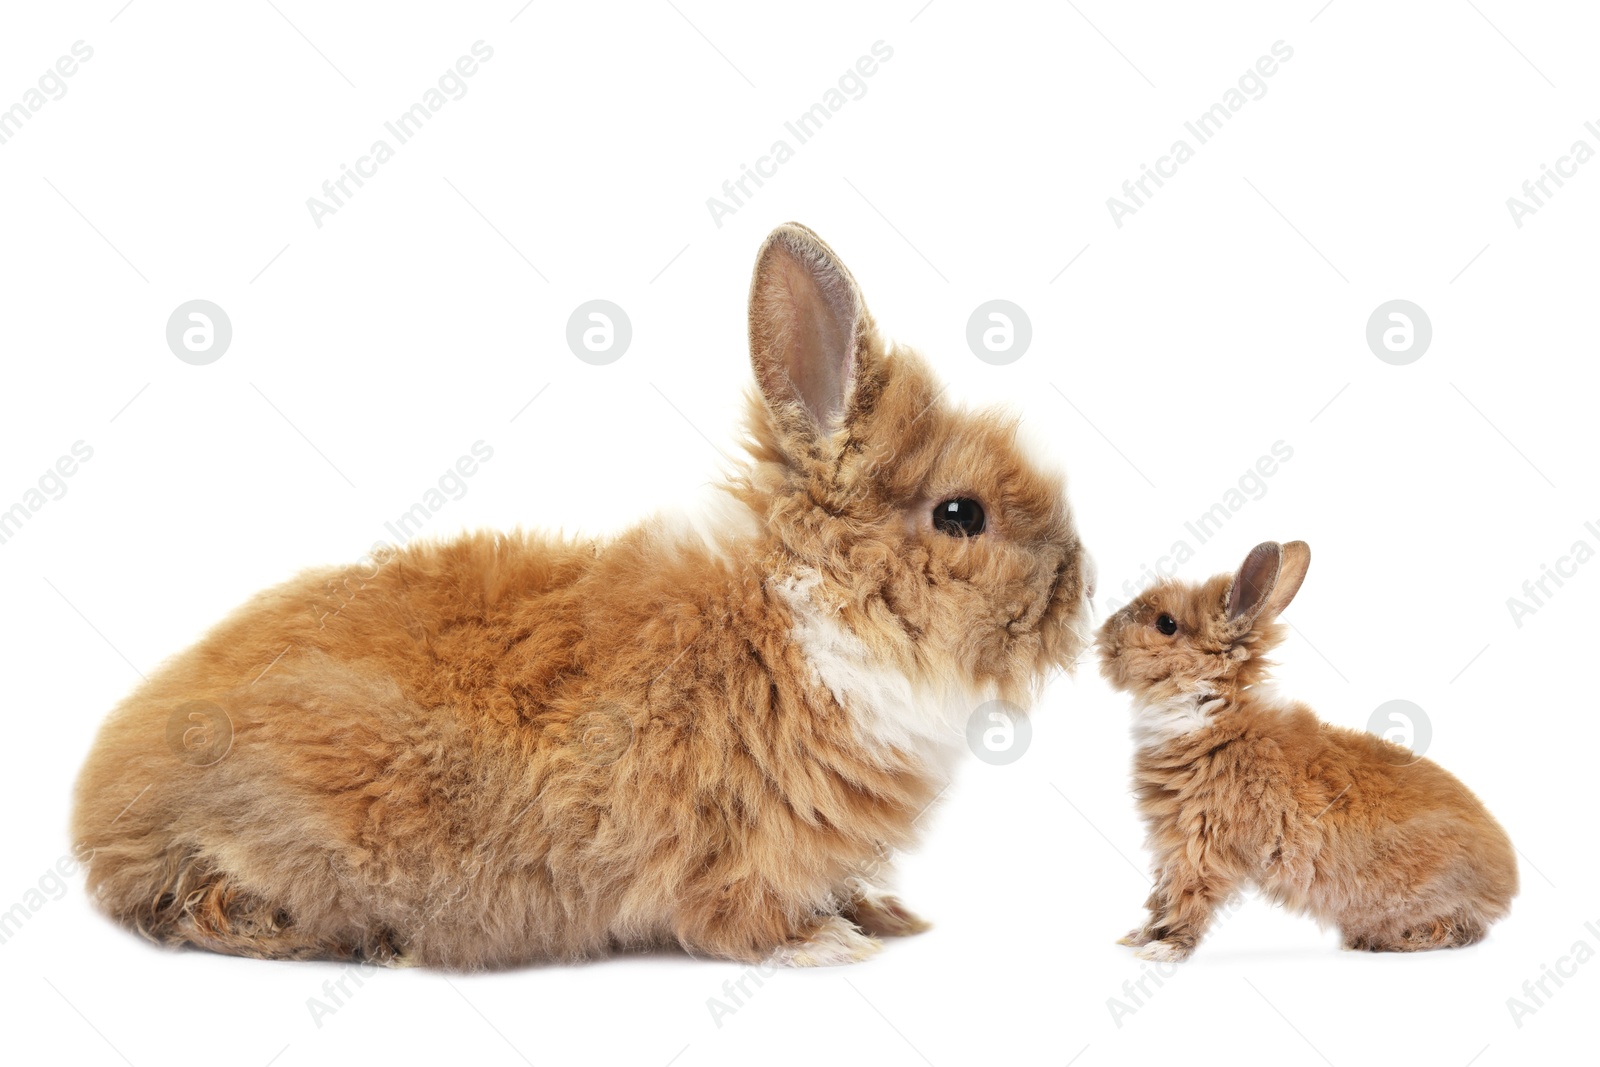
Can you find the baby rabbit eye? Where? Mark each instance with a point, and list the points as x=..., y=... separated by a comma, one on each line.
x=1167, y=624
x=961, y=517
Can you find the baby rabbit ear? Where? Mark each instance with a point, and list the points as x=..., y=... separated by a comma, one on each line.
x=1268, y=579
x=809, y=330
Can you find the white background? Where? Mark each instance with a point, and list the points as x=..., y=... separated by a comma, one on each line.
x=1227, y=314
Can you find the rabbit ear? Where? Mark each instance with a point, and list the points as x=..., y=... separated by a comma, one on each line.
x=1253, y=583
x=1268, y=579
x=1296, y=561
x=808, y=328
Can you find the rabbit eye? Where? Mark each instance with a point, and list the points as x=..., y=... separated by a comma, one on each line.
x=961, y=517
x=1167, y=624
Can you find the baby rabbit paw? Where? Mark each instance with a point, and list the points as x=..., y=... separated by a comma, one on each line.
x=1138, y=937
x=1164, y=951
x=832, y=941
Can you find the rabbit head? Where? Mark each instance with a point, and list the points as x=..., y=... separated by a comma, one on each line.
x=927, y=560
x=1179, y=640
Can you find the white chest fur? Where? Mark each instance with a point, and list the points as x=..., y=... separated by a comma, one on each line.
x=1159, y=721
x=889, y=709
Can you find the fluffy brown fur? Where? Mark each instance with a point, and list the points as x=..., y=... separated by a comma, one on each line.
x=1237, y=786
x=512, y=747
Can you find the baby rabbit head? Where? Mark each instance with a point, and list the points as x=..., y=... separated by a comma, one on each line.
x=916, y=540
x=1178, y=639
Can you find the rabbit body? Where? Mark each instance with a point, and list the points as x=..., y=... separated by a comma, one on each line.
x=1239, y=786
x=506, y=748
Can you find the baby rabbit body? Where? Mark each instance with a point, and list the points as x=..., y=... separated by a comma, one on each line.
x=513, y=747
x=1237, y=785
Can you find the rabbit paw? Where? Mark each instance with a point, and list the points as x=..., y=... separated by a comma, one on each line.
x=1165, y=951
x=832, y=941
x=1138, y=937
x=883, y=914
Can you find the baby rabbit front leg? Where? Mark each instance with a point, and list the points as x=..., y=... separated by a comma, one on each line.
x=1139, y=936
x=1183, y=901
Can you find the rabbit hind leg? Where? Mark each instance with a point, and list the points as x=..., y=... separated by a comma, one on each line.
x=195, y=904
x=1456, y=930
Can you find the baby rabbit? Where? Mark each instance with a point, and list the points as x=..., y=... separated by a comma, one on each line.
x=1238, y=785
x=511, y=747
